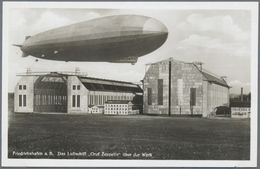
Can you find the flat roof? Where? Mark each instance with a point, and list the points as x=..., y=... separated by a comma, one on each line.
x=118, y=102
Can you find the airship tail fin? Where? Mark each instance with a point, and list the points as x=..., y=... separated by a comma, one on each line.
x=24, y=55
x=17, y=45
x=27, y=37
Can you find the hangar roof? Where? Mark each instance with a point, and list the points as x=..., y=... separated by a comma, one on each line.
x=97, y=84
x=214, y=78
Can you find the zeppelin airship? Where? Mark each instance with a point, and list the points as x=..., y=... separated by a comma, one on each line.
x=117, y=39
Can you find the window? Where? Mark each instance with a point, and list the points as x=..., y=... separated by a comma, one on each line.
x=24, y=100
x=160, y=91
x=73, y=100
x=192, y=96
x=91, y=100
x=96, y=100
x=24, y=87
x=74, y=87
x=20, y=87
x=104, y=99
x=49, y=99
x=20, y=100
x=149, y=96
x=78, y=100
x=78, y=87
x=100, y=99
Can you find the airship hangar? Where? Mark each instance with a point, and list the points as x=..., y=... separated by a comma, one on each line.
x=70, y=92
x=117, y=39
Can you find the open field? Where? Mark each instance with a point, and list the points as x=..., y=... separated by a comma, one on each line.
x=159, y=137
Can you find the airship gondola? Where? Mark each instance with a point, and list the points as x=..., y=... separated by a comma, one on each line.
x=118, y=39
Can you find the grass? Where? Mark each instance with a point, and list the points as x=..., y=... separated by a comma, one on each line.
x=177, y=138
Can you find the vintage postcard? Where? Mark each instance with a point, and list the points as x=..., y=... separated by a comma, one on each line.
x=129, y=84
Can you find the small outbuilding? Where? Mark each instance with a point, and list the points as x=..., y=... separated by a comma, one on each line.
x=240, y=109
x=118, y=107
x=99, y=109
x=176, y=87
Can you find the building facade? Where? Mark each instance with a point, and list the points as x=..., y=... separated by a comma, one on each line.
x=240, y=109
x=63, y=93
x=193, y=89
x=118, y=107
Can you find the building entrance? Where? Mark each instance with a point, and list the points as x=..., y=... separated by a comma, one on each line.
x=50, y=94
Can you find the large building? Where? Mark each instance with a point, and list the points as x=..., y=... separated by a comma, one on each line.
x=193, y=89
x=68, y=93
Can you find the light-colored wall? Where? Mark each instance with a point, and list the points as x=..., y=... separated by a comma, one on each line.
x=205, y=111
x=217, y=95
x=83, y=92
x=29, y=92
x=191, y=78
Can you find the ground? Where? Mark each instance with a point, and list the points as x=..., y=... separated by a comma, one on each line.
x=161, y=137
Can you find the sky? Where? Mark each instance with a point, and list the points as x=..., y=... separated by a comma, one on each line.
x=221, y=39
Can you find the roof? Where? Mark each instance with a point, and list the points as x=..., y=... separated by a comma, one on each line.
x=96, y=84
x=214, y=78
x=118, y=102
x=98, y=106
x=240, y=104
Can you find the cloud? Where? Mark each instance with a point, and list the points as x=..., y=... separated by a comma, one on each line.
x=223, y=24
x=202, y=41
x=239, y=83
x=209, y=44
x=16, y=18
x=49, y=20
x=92, y=15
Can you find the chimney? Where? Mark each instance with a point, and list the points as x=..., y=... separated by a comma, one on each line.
x=242, y=94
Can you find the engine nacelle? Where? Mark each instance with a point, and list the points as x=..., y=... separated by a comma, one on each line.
x=130, y=59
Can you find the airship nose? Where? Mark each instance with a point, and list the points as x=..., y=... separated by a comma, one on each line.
x=152, y=25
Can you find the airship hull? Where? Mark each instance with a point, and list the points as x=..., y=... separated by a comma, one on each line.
x=112, y=43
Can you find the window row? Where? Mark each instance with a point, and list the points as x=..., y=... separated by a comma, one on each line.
x=22, y=100
x=238, y=113
x=116, y=105
x=50, y=100
x=116, y=112
x=101, y=99
x=116, y=108
x=74, y=87
x=22, y=87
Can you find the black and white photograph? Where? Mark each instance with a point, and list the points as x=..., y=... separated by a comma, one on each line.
x=129, y=84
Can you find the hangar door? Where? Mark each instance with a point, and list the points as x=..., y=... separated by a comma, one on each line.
x=50, y=94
